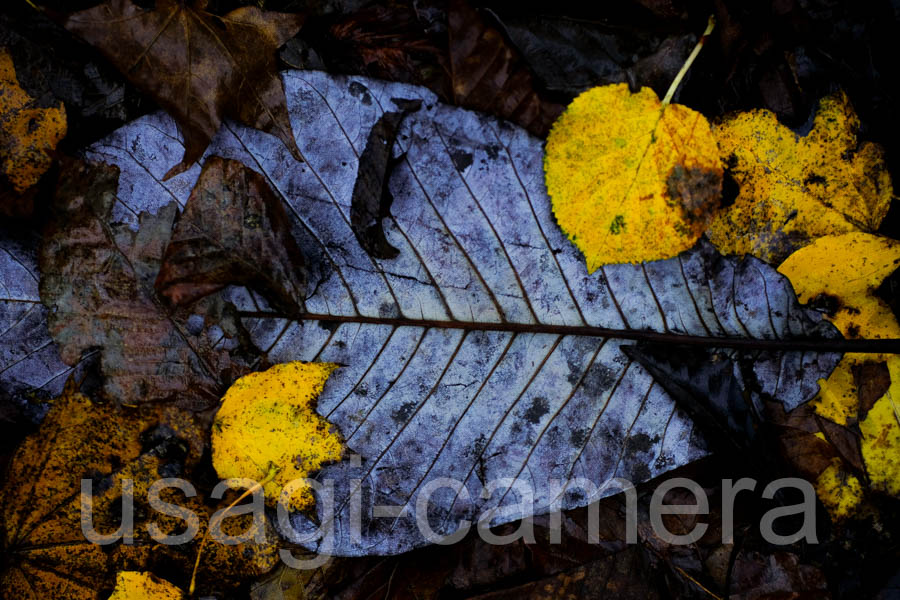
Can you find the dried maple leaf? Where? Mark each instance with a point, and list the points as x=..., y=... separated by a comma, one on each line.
x=48, y=554
x=200, y=67
x=97, y=280
x=796, y=189
x=234, y=231
x=631, y=179
x=28, y=133
x=267, y=420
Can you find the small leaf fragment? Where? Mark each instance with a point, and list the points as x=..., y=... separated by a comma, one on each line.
x=631, y=179
x=268, y=420
x=796, y=189
x=881, y=436
x=138, y=585
x=28, y=133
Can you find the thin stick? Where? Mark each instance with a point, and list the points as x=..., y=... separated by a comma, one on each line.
x=690, y=59
x=273, y=470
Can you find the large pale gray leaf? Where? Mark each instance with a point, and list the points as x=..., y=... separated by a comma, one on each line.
x=30, y=365
x=484, y=350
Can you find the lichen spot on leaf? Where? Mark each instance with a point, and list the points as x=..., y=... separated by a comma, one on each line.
x=268, y=423
x=630, y=179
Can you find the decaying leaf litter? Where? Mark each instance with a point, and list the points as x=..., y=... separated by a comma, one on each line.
x=243, y=317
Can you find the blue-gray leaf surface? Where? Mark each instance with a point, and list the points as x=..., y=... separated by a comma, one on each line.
x=461, y=358
x=30, y=365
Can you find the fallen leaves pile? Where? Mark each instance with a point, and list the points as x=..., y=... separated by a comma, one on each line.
x=177, y=386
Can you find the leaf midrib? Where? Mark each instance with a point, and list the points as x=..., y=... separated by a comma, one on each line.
x=805, y=344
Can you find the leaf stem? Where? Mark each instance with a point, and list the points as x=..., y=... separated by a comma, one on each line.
x=273, y=470
x=690, y=60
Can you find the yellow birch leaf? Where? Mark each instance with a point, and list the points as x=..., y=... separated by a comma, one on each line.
x=268, y=420
x=28, y=133
x=137, y=585
x=796, y=189
x=631, y=179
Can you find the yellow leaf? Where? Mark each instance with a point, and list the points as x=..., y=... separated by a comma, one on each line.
x=842, y=272
x=631, y=179
x=268, y=420
x=796, y=189
x=28, y=133
x=881, y=436
x=839, y=491
x=136, y=585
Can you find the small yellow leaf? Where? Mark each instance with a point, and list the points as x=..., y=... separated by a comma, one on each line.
x=268, y=420
x=839, y=491
x=137, y=585
x=881, y=436
x=796, y=189
x=631, y=179
x=28, y=133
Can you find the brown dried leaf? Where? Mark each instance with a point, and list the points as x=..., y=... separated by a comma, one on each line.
x=200, y=67
x=234, y=231
x=97, y=281
x=489, y=75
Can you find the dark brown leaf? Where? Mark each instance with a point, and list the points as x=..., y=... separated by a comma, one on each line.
x=97, y=282
x=872, y=380
x=234, y=230
x=200, y=67
x=372, y=199
x=489, y=75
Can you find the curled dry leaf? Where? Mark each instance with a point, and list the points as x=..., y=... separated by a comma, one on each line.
x=631, y=179
x=267, y=422
x=371, y=193
x=795, y=189
x=200, y=67
x=97, y=282
x=138, y=585
x=485, y=349
x=28, y=133
x=233, y=231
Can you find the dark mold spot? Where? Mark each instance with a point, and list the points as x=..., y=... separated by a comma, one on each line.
x=539, y=407
x=358, y=90
x=640, y=442
x=402, y=414
x=461, y=159
x=696, y=192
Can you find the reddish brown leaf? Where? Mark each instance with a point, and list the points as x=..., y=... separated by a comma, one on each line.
x=97, y=281
x=234, y=230
x=200, y=67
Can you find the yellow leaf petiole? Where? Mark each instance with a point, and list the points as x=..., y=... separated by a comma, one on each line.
x=690, y=60
x=273, y=470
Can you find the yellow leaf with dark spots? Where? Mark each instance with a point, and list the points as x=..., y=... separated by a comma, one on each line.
x=28, y=133
x=796, y=189
x=840, y=274
x=267, y=422
x=631, y=179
